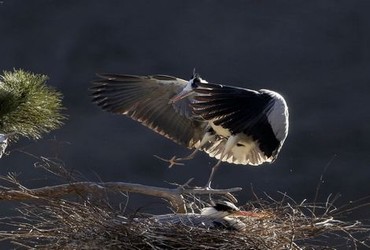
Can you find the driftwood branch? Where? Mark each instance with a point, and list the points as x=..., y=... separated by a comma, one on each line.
x=173, y=195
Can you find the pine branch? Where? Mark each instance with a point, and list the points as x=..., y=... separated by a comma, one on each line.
x=28, y=107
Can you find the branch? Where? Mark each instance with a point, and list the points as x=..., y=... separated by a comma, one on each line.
x=173, y=195
x=29, y=107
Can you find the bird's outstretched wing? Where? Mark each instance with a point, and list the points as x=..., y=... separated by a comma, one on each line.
x=239, y=110
x=146, y=99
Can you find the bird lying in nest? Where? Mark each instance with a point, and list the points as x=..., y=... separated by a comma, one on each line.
x=222, y=215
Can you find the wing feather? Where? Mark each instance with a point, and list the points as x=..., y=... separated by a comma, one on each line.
x=146, y=99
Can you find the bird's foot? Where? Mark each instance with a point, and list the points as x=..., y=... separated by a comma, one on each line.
x=173, y=161
x=208, y=186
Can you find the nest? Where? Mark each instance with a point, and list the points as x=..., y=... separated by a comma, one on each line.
x=89, y=219
x=64, y=224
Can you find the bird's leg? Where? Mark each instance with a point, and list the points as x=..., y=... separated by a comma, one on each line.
x=175, y=160
x=189, y=157
x=208, y=136
x=214, y=168
x=230, y=143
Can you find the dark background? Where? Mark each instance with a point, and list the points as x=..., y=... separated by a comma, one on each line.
x=315, y=53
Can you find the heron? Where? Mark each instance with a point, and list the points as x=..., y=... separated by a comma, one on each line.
x=220, y=215
x=232, y=124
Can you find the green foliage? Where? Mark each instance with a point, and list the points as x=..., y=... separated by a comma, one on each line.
x=28, y=107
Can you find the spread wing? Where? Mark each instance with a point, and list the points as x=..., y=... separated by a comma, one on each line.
x=146, y=99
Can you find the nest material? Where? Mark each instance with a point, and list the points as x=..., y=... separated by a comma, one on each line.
x=62, y=224
x=89, y=219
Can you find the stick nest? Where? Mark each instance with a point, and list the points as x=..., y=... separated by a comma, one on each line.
x=90, y=220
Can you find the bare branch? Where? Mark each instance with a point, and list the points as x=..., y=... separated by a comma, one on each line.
x=174, y=196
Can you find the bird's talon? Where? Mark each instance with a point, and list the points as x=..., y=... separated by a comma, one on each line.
x=172, y=161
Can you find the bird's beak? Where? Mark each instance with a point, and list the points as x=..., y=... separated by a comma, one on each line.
x=184, y=93
x=245, y=214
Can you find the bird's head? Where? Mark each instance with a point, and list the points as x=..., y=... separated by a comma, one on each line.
x=222, y=209
x=188, y=90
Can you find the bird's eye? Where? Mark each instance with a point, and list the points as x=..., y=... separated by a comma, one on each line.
x=195, y=82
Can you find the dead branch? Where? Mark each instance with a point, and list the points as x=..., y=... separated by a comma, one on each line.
x=173, y=195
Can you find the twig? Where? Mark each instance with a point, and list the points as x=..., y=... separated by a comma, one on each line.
x=173, y=195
